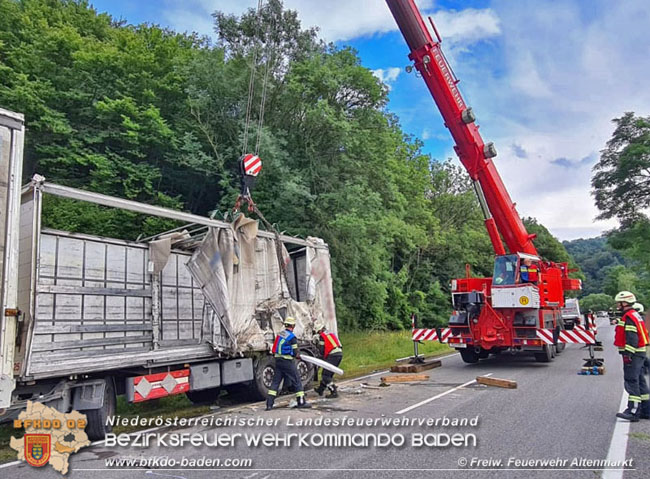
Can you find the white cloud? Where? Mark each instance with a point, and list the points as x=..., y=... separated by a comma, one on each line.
x=466, y=26
x=339, y=19
x=561, y=73
x=387, y=75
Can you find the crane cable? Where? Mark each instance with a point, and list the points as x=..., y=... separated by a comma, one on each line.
x=249, y=107
x=251, y=84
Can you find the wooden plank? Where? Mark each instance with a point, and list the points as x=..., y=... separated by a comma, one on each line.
x=415, y=368
x=404, y=378
x=500, y=383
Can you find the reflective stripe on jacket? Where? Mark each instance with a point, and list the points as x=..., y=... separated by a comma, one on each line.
x=631, y=335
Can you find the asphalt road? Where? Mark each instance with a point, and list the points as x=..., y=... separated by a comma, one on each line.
x=553, y=414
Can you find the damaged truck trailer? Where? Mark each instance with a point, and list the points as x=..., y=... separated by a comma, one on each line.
x=189, y=311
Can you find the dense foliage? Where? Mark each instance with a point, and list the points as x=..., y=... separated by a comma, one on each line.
x=596, y=259
x=152, y=115
x=621, y=186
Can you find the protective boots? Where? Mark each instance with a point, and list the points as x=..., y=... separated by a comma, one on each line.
x=645, y=410
x=302, y=403
x=631, y=413
x=333, y=391
x=269, y=403
x=320, y=389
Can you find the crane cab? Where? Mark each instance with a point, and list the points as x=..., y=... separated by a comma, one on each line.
x=515, y=282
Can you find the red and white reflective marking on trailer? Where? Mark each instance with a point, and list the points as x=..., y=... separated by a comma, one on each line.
x=252, y=164
x=153, y=386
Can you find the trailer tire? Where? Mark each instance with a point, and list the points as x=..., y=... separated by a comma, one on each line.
x=546, y=356
x=469, y=356
x=484, y=354
x=262, y=377
x=96, y=427
x=204, y=396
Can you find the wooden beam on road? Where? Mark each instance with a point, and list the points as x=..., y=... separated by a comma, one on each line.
x=415, y=368
x=404, y=378
x=500, y=383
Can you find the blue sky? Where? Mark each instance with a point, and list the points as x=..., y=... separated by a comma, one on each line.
x=544, y=78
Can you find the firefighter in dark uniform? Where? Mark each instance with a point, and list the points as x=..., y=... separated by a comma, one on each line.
x=285, y=350
x=641, y=310
x=631, y=338
x=332, y=352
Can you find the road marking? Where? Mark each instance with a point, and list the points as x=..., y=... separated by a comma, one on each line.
x=449, y=391
x=618, y=446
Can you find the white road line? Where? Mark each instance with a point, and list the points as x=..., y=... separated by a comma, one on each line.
x=618, y=446
x=427, y=401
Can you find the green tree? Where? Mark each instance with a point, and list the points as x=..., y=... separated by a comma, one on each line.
x=621, y=180
x=596, y=302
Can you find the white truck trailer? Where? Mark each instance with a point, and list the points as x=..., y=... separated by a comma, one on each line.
x=188, y=311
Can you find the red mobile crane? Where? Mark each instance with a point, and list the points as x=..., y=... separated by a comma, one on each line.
x=519, y=308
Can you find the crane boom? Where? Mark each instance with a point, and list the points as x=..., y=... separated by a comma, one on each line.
x=501, y=217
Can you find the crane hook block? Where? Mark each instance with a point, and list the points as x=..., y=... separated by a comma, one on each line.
x=249, y=167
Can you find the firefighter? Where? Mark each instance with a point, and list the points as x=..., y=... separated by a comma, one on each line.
x=285, y=350
x=641, y=310
x=332, y=352
x=631, y=338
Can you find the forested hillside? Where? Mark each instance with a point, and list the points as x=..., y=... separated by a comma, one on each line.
x=152, y=115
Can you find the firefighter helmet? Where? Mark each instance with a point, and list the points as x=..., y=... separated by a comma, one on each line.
x=625, y=297
x=290, y=321
x=319, y=326
x=639, y=307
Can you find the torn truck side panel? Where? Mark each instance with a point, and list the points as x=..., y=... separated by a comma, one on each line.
x=94, y=304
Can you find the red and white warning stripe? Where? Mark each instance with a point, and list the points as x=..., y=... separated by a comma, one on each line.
x=425, y=335
x=431, y=335
x=592, y=329
x=252, y=164
x=575, y=336
x=153, y=386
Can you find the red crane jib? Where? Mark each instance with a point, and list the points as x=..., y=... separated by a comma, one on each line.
x=430, y=61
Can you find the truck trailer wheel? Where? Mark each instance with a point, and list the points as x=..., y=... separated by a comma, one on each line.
x=96, y=429
x=263, y=376
x=546, y=355
x=469, y=356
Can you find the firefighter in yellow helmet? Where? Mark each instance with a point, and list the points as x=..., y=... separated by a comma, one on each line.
x=631, y=338
x=285, y=350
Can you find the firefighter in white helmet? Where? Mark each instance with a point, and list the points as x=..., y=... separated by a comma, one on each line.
x=631, y=338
